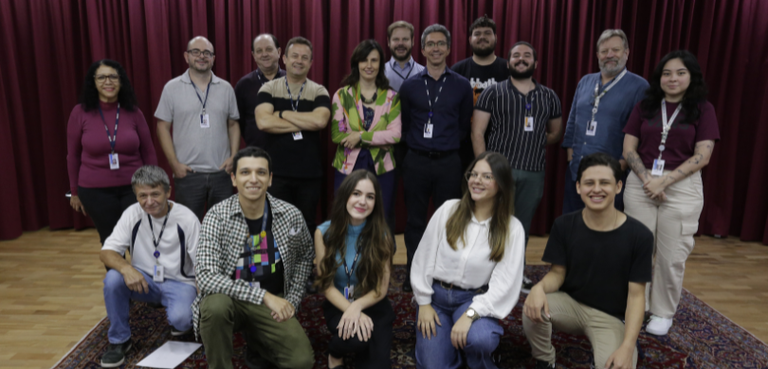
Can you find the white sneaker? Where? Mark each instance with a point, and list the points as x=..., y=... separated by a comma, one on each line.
x=658, y=326
x=527, y=285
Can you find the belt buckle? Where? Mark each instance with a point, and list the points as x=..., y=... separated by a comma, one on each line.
x=449, y=287
x=433, y=155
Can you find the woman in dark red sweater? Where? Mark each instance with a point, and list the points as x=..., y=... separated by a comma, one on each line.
x=107, y=140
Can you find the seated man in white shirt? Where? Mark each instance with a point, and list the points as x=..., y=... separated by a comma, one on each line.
x=161, y=237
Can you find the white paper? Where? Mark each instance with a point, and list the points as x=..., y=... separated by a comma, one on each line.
x=170, y=355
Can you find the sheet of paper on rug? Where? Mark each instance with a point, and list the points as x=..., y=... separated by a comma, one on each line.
x=170, y=355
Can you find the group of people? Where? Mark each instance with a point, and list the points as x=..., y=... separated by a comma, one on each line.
x=471, y=138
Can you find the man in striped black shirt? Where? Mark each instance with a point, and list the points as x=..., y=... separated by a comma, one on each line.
x=518, y=118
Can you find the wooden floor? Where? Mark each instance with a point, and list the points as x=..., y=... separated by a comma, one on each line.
x=50, y=289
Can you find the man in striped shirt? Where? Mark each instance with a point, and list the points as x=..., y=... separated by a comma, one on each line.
x=518, y=118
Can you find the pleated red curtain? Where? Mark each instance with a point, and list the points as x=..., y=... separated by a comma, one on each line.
x=50, y=43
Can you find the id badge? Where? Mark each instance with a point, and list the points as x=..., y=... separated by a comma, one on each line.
x=114, y=162
x=591, y=128
x=256, y=285
x=297, y=136
x=528, y=124
x=658, y=167
x=159, y=274
x=428, y=129
x=204, y=122
x=349, y=293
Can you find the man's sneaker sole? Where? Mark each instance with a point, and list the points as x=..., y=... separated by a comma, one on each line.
x=176, y=333
x=115, y=365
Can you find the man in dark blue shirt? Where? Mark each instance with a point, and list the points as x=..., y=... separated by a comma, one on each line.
x=436, y=112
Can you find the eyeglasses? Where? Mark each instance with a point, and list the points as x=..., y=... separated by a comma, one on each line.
x=197, y=52
x=101, y=78
x=441, y=44
x=484, y=177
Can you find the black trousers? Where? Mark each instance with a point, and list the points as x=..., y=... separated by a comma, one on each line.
x=373, y=354
x=303, y=193
x=105, y=206
x=425, y=178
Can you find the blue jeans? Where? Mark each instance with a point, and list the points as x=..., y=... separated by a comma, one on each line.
x=482, y=338
x=176, y=296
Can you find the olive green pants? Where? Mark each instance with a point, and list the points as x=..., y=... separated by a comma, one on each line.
x=283, y=344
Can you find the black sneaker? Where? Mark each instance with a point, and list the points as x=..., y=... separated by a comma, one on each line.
x=115, y=355
x=527, y=285
x=407, y=285
x=544, y=365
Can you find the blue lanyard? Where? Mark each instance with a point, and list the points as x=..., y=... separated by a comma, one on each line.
x=152, y=228
x=207, y=89
x=295, y=107
x=437, y=96
x=113, y=138
x=349, y=271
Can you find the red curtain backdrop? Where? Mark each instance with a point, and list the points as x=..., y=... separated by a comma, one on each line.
x=49, y=44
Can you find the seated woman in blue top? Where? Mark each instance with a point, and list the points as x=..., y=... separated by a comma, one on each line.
x=356, y=309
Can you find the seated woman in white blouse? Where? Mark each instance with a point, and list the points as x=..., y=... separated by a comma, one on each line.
x=468, y=269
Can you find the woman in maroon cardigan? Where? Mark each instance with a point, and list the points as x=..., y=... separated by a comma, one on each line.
x=107, y=140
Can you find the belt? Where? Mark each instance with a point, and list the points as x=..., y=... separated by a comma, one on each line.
x=451, y=286
x=433, y=154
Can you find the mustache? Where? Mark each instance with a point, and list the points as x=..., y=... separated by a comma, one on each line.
x=523, y=62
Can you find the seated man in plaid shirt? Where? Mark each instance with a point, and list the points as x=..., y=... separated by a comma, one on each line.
x=254, y=255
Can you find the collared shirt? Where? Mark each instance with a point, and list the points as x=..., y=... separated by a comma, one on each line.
x=223, y=233
x=506, y=132
x=452, y=111
x=397, y=75
x=247, y=91
x=612, y=115
x=469, y=266
x=202, y=149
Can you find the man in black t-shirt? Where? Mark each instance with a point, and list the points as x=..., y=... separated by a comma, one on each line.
x=483, y=69
x=601, y=261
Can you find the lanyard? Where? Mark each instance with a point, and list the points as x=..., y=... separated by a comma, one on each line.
x=349, y=271
x=429, y=99
x=608, y=88
x=156, y=241
x=262, y=235
x=394, y=62
x=207, y=89
x=295, y=107
x=667, y=124
x=113, y=138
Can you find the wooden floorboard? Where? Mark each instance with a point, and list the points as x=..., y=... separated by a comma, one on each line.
x=51, y=289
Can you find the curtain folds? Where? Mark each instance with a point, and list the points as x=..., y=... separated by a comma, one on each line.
x=49, y=44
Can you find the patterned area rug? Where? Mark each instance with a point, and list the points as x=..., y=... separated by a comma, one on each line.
x=700, y=338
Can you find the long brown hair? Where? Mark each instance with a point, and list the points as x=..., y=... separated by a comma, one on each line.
x=375, y=240
x=503, y=207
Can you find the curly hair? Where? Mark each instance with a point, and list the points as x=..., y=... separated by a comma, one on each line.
x=89, y=98
x=695, y=94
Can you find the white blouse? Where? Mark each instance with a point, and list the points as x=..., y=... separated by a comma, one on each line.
x=469, y=266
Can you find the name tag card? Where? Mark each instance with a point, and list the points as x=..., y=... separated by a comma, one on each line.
x=204, y=122
x=159, y=274
x=591, y=128
x=297, y=136
x=528, y=124
x=114, y=162
x=428, y=129
x=658, y=167
x=349, y=293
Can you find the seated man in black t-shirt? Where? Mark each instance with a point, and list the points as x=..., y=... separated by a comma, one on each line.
x=601, y=261
x=254, y=255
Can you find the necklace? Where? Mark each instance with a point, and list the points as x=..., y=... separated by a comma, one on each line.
x=371, y=101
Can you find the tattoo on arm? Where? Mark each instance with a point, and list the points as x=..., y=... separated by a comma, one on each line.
x=634, y=162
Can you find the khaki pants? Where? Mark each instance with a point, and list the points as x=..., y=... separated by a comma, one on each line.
x=284, y=344
x=605, y=332
x=673, y=223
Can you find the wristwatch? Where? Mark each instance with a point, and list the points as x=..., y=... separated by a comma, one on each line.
x=472, y=314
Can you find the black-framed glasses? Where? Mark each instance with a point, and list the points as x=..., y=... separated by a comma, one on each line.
x=101, y=78
x=197, y=52
x=432, y=44
x=485, y=177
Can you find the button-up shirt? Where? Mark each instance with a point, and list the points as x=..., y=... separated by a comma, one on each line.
x=223, y=233
x=451, y=108
x=469, y=266
x=612, y=115
x=397, y=75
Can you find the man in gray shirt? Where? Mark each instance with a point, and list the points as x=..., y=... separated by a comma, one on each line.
x=203, y=111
